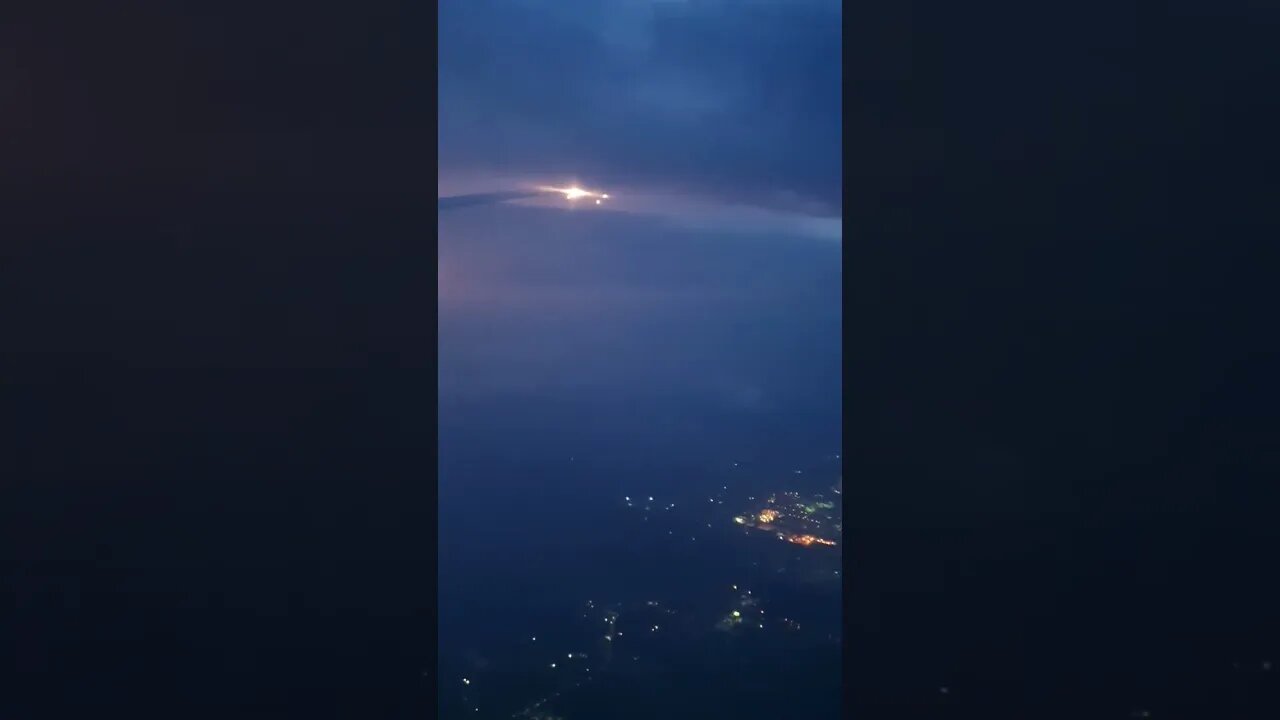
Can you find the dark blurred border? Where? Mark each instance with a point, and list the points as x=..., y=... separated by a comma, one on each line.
x=1060, y=359
x=218, y=390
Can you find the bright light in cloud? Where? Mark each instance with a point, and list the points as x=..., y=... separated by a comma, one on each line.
x=575, y=193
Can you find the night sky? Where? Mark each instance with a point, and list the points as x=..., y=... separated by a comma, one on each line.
x=711, y=279
x=1053, y=232
x=733, y=102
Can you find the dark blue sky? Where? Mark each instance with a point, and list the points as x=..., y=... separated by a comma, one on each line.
x=712, y=277
x=734, y=101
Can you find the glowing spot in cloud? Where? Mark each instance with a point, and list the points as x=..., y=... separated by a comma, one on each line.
x=575, y=193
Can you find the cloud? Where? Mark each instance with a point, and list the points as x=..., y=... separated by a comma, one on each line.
x=733, y=102
x=460, y=201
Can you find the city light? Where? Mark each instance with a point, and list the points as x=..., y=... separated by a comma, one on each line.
x=805, y=540
x=801, y=519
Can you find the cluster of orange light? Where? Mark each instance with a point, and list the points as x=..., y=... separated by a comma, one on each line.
x=768, y=516
x=809, y=540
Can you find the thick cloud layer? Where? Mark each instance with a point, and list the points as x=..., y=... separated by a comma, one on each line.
x=737, y=102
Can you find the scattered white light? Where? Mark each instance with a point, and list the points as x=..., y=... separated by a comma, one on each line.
x=465, y=681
